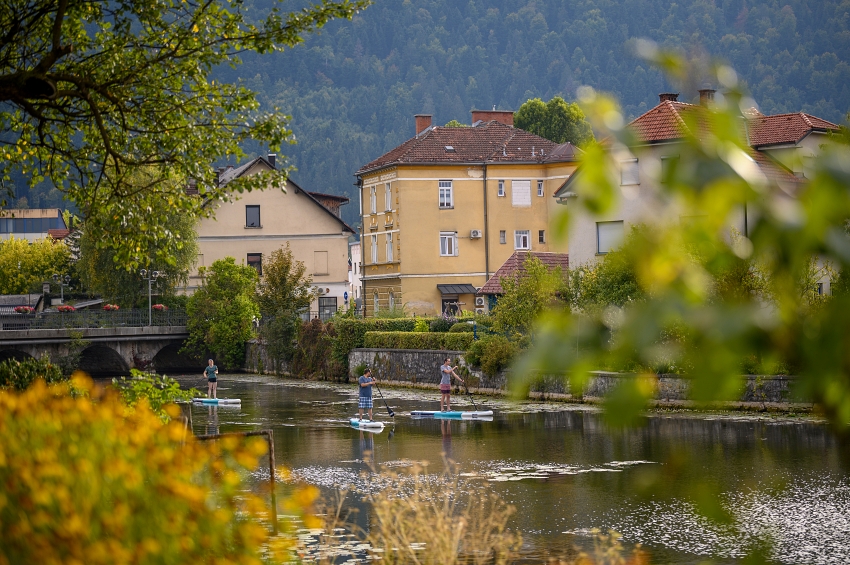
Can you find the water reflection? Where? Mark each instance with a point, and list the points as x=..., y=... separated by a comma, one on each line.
x=568, y=472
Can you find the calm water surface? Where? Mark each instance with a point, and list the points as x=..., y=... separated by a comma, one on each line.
x=782, y=478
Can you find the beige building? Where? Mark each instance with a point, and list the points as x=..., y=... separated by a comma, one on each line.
x=260, y=222
x=781, y=146
x=443, y=210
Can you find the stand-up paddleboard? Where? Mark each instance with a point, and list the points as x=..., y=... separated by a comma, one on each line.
x=217, y=401
x=366, y=424
x=465, y=414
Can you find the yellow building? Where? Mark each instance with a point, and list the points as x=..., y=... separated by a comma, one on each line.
x=260, y=222
x=443, y=210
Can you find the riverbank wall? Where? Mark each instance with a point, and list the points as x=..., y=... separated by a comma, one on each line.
x=420, y=369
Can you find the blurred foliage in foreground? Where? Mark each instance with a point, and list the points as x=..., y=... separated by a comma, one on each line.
x=677, y=264
x=159, y=392
x=84, y=480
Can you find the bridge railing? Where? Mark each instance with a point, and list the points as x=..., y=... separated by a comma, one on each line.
x=84, y=319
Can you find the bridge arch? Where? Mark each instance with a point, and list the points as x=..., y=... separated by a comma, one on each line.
x=169, y=360
x=14, y=354
x=102, y=361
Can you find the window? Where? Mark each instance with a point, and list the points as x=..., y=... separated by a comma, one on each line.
x=389, y=248
x=521, y=193
x=256, y=260
x=388, y=197
x=392, y=300
x=540, y=188
x=522, y=239
x=448, y=244
x=252, y=217
x=820, y=289
x=327, y=307
x=541, y=236
x=608, y=236
x=667, y=165
x=320, y=262
x=446, y=200
x=373, y=199
x=375, y=301
x=503, y=237
x=501, y=188
x=629, y=173
x=374, y=249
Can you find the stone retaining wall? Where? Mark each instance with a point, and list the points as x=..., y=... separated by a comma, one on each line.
x=422, y=369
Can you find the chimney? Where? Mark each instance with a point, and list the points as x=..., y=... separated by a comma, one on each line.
x=271, y=159
x=706, y=96
x=671, y=96
x=502, y=116
x=423, y=122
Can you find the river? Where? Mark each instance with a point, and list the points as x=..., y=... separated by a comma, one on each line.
x=782, y=478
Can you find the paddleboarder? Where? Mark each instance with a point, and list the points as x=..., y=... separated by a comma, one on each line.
x=211, y=373
x=446, y=374
x=366, y=381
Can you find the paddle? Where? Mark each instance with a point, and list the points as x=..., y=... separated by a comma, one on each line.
x=390, y=410
x=470, y=395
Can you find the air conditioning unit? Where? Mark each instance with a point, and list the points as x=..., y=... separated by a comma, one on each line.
x=479, y=301
x=475, y=234
x=480, y=311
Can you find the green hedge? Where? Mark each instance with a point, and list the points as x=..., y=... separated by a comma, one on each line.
x=351, y=333
x=418, y=340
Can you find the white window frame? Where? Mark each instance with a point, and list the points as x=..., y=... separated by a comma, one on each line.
x=389, y=247
x=522, y=240
x=446, y=195
x=376, y=302
x=501, y=189
x=503, y=236
x=606, y=239
x=373, y=199
x=541, y=236
x=392, y=300
x=448, y=244
x=540, y=191
x=388, y=197
x=629, y=172
x=374, y=249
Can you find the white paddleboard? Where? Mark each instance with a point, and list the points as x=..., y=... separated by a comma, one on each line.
x=366, y=424
x=217, y=401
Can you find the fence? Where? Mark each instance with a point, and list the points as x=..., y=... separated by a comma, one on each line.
x=93, y=319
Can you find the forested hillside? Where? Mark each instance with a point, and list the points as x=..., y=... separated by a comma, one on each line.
x=352, y=91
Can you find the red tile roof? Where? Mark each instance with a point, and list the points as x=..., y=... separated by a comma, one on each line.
x=58, y=233
x=516, y=265
x=663, y=123
x=784, y=128
x=490, y=142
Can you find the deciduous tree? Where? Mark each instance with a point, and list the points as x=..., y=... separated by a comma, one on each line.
x=24, y=265
x=90, y=92
x=556, y=120
x=222, y=312
x=284, y=291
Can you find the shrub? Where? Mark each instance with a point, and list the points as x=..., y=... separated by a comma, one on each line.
x=311, y=355
x=461, y=327
x=421, y=325
x=492, y=353
x=443, y=323
x=157, y=391
x=85, y=480
x=19, y=375
x=351, y=332
x=416, y=340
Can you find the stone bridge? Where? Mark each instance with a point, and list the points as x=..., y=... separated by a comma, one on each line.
x=105, y=351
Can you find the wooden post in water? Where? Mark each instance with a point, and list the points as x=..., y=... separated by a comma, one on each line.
x=269, y=435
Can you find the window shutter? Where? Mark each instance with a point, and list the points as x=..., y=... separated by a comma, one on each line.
x=521, y=193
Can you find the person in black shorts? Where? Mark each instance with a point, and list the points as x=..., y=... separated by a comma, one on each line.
x=211, y=374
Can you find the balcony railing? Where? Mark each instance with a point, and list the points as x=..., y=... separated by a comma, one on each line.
x=93, y=319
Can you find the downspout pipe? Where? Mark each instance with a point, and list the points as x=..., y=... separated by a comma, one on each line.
x=486, y=231
x=359, y=185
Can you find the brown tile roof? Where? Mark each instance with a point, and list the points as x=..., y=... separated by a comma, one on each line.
x=784, y=128
x=58, y=233
x=516, y=265
x=775, y=172
x=489, y=142
x=665, y=122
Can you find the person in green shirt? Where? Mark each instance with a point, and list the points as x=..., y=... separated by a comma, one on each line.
x=211, y=374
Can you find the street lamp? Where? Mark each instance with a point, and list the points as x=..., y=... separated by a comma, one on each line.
x=63, y=282
x=150, y=276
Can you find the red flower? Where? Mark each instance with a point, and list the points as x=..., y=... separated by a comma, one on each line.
x=66, y=308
